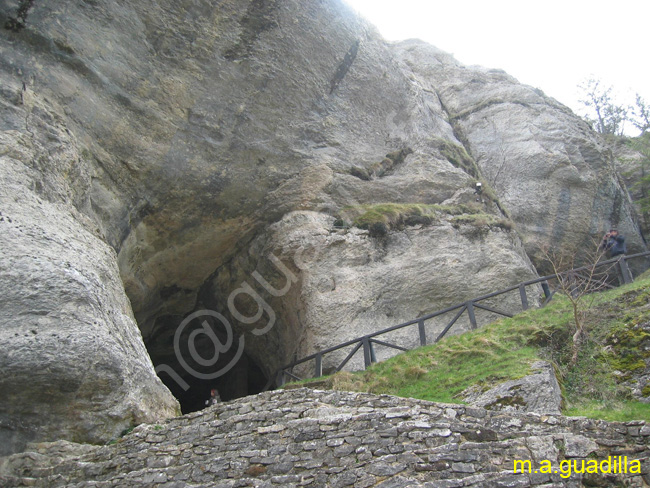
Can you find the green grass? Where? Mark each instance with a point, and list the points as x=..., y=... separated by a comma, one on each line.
x=458, y=156
x=497, y=352
x=622, y=412
x=465, y=365
x=593, y=387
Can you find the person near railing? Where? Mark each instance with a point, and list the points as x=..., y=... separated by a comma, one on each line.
x=614, y=244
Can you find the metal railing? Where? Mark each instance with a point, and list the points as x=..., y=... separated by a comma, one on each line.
x=367, y=343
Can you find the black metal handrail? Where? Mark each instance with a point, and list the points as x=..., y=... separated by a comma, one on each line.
x=367, y=342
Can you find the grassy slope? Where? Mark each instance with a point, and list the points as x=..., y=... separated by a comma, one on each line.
x=617, y=346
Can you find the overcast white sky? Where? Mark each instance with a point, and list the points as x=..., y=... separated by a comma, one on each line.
x=553, y=45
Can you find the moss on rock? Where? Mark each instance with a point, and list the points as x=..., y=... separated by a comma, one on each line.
x=398, y=215
x=646, y=390
x=628, y=347
x=458, y=156
x=503, y=403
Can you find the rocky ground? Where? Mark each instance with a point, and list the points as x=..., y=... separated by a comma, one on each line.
x=314, y=438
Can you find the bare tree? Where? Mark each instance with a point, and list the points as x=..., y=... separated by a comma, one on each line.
x=579, y=286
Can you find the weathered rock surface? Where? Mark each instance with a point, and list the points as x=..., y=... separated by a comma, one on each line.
x=629, y=346
x=73, y=362
x=555, y=175
x=175, y=140
x=314, y=438
x=538, y=392
x=348, y=284
x=630, y=165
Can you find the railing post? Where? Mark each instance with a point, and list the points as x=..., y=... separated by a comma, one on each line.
x=423, y=333
x=471, y=314
x=280, y=378
x=368, y=353
x=547, y=290
x=625, y=271
x=318, y=370
x=524, y=297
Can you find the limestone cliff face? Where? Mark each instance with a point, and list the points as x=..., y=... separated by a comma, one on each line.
x=631, y=167
x=348, y=284
x=156, y=154
x=73, y=362
x=555, y=175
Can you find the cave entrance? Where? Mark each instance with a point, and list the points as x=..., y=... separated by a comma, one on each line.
x=245, y=378
x=203, y=356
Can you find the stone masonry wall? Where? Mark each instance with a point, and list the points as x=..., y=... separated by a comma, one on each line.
x=317, y=438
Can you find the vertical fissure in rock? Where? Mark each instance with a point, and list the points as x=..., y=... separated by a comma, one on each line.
x=345, y=65
x=474, y=170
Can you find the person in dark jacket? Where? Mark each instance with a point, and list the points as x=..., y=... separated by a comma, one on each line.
x=214, y=398
x=614, y=244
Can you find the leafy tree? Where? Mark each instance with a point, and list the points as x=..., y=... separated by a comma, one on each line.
x=605, y=116
x=641, y=115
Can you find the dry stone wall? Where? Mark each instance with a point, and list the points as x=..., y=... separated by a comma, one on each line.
x=318, y=438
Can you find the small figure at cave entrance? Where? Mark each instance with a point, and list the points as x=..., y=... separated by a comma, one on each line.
x=214, y=398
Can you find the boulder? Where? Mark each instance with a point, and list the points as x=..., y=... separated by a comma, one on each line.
x=538, y=392
x=73, y=362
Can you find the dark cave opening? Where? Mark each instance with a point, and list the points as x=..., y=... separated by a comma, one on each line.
x=246, y=378
x=193, y=357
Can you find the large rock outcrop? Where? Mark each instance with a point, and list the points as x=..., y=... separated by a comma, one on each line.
x=73, y=362
x=185, y=143
x=555, y=175
x=631, y=161
x=349, y=284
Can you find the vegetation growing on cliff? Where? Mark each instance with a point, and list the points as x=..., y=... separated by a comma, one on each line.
x=397, y=215
x=597, y=385
x=381, y=218
x=458, y=156
x=482, y=220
